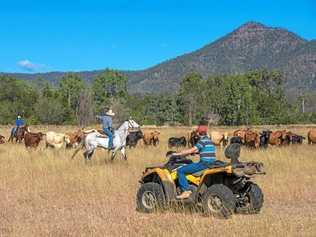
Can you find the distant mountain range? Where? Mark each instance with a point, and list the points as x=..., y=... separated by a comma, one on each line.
x=249, y=47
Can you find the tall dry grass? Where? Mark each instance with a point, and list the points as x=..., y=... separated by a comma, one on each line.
x=44, y=193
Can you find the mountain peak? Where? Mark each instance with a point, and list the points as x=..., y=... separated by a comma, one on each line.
x=251, y=26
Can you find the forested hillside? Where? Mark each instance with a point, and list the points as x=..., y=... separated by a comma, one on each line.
x=256, y=97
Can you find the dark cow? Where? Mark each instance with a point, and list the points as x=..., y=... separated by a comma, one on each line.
x=236, y=139
x=2, y=139
x=297, y=139
x=193, y=138
x=133, y=138
x=264, y=138
x=32, y=139
x=177, y=142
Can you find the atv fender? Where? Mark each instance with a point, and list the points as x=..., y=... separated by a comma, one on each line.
x=164, y=178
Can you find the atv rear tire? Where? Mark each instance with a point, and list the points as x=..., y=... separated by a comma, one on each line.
x=150, y=198
x=255, y=200
x=218, y=201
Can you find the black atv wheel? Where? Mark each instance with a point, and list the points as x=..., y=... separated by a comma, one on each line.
x=150, y=198
x=218, y=201
x=253, y=200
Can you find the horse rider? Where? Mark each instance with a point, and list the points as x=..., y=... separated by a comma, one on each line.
x=207, y=153
x=106, y=121
x=19, y=122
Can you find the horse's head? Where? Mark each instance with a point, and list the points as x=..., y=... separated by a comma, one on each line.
x=26, y=128
x=132, y=125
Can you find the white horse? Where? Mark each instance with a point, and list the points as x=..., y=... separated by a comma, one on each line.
x=96, y=139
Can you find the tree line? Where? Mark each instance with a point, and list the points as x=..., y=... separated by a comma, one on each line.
x=256, y=97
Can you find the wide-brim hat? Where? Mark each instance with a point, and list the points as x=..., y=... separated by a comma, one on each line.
x=110, y=113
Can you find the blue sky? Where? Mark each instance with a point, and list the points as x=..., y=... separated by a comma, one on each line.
x=56, y=35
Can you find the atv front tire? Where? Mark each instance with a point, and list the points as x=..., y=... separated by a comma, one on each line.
x=218, y=201
x=150, y=198
x=254, y=200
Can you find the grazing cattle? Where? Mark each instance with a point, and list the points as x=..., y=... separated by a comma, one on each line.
x=235, y=139
x=241, y=133
x=297, y=139
x=277, y=138
x=19, y=133
x=151, y=138
x=264, y=138
x=248, y=137
x=32, y=139
x=193, y=138
x=2, y=139
x=75, y=138
x=219, y=138
x=252, y=139
x=56, y=140
x=177, y=142
x=311, y=136
x=133, y=138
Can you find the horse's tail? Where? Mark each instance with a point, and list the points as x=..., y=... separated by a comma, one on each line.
x=75, y=153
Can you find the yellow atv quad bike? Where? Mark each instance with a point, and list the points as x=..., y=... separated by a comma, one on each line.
x=221, y=190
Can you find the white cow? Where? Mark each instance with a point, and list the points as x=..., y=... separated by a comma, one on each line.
x=56, y=140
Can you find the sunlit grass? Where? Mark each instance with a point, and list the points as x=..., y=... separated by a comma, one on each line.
x=44, y=192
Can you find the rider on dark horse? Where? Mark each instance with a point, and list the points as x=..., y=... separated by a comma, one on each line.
x=19, y=122
x=106, y=121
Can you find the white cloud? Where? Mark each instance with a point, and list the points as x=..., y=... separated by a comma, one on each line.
x=30, y=66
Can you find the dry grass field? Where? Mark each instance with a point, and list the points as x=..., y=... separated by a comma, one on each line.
x=44, y=193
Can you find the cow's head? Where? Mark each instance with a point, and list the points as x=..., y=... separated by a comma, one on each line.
x=67, y=139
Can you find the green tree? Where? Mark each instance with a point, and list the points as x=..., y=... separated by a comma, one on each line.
x=70, y=88
x=192, y=95
x=110, y=85
x=16, y=97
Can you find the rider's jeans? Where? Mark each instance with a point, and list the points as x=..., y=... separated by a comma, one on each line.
x=189, y=169
x=108, y=132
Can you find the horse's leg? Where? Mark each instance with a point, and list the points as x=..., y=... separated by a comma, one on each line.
x=113, y=155
x=123, y=151
x=88, y=153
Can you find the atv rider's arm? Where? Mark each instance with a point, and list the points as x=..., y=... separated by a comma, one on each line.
x=190, y=151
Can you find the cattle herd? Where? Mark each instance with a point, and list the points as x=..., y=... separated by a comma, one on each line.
x=246, y=137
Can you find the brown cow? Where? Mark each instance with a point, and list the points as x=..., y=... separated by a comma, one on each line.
x=241, y=133
x=248, y=137
x=277, y=138
x=2, y=139
x=75, y=138
x=311, y=136
x=252, y=139
x=32, y=139
x=151, y=137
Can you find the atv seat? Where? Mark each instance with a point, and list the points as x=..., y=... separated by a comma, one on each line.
x=216, y=164
x=198, y=174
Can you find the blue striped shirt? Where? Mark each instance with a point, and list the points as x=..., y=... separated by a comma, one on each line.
x=206, y=149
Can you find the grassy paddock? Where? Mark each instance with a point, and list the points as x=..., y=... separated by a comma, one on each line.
x=43, y=192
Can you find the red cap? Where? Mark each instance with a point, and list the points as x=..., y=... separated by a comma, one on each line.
x=202, y=129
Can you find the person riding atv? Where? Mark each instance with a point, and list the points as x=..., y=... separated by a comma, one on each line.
x=221, y=189
x=207, y=151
